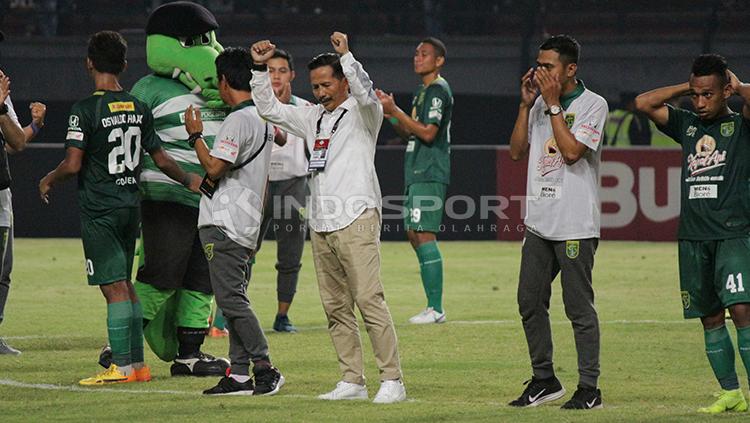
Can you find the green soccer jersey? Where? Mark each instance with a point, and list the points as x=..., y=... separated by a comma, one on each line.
x=168, y=100
x=431, y=162
x=715, y=193
x=113, y=129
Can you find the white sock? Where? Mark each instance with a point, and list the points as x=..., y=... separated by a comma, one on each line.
x=126, y=370
x=240, y=378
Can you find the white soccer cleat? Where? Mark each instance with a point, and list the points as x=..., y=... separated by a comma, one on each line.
x=428, y=315
x=390, y=391
x=346, y=391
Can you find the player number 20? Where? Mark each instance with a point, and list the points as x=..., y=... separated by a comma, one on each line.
x=735, y=287
x=127, y=153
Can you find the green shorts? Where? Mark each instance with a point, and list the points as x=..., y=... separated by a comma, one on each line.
x=712, y=275
x=424, y=206
x=109, y=245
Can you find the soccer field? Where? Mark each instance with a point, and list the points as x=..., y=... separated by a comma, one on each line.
x=653, y=364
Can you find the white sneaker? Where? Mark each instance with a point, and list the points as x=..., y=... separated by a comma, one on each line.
x=428, y=315
x=346, y=391
x=390, y=391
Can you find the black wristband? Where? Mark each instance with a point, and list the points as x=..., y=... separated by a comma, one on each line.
x=260, y=68
x=4, y=109
x=193, y=138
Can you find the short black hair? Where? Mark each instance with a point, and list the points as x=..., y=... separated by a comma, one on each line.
x=437, y=44
x=327, y=59
x=107, y=51
x=711, y=64
x=566, y=46
x=283, y=54
x=234, y=65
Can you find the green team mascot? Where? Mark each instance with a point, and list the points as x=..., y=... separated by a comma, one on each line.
x=172, y=280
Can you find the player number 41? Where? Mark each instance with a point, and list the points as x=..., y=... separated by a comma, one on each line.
x=735, y=287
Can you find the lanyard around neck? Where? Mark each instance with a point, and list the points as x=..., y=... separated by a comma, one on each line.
x=335, y=124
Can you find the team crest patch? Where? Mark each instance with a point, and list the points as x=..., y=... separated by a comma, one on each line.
x=569, y=119
x=727, y=129
x=572, y=249
x=685, y=300
x=209, y=250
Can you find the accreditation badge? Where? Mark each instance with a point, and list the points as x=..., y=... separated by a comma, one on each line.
x=319, y=155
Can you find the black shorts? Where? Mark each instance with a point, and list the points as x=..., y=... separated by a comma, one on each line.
x=172, y=249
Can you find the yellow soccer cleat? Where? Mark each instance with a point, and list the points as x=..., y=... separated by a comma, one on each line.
x=732, y=400
x=109, y=376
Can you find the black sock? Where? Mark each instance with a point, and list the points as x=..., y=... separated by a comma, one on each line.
x=190, y=341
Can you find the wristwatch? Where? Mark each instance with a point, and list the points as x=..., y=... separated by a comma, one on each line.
x=555, y=110
x=193, y=138
x=3, y=109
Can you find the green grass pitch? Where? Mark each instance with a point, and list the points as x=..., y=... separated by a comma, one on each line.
x=653, y=364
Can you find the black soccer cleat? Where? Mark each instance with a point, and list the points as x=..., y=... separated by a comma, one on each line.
x=229, y=386
x=283, y=324
x=105, y=357
x=268, y=380
x=539, y=391
x=584, y=399
x=199, y=364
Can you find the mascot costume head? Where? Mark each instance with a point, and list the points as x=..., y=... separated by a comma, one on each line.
x=181, y=43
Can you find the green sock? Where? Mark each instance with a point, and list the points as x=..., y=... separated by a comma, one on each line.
x=119, y=317
x=743, y=344
x=431, y=269
x=720, y=353
x=219, y=321
x=136, y=334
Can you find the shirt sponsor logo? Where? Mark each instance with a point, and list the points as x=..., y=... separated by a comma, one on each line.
x=73, y=121
x=589, y=131
x=216, y=115
x=706, y=156
x=121, y=106
x=74, y=135
x=549, y=193
x=229, y=145
x=698, y=192
x=551, y=159
x=691, y=131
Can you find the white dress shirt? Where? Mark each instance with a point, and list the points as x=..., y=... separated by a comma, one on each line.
x=288, y=161
x=349, y=185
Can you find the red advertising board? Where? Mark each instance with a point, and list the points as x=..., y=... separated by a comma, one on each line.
x=639, y=192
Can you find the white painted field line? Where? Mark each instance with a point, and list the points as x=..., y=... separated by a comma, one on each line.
x=565, y=322
x=73, y=388
x=449, y=322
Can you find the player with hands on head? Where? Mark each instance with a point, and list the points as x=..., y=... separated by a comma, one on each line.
x=713, y=253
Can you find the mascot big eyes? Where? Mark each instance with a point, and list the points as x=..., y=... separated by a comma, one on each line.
x=181, y=44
